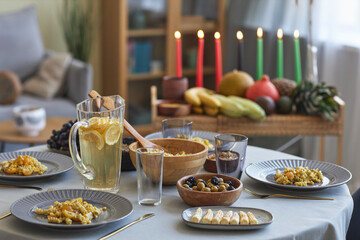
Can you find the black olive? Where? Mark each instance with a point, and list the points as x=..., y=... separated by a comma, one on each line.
x=190, y=184
x=229, y=182
x=215, y=180
x=230, y=188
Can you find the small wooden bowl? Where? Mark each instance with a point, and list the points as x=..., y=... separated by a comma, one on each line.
x=197, y=198
x=173, y=108
x=210, y=163
x=176, y=167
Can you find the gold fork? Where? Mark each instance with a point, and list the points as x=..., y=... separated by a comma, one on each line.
x=265, y=196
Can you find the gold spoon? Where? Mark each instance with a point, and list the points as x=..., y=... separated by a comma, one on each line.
x=127, y=225
x=265, y=196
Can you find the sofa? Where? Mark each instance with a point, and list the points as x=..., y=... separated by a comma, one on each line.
x=22, y=53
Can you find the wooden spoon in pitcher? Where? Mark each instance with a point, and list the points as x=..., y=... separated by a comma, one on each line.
x=108, y=103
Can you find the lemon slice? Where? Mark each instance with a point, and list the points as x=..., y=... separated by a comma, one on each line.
x=95, y=137
x=112, y=134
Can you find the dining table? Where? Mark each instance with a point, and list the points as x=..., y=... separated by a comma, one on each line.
x=292, y=218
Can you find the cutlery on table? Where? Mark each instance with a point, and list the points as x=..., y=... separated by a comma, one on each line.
x=6, y=215
x=21, y=186
x=127, y=225
x=264, y=196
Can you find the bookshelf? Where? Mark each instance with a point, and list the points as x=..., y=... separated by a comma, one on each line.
x=134, y=88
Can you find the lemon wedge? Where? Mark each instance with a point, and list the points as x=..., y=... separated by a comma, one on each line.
x=112, y=134
x=95, y=137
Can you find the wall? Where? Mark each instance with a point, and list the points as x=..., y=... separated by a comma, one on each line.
x=49, y=21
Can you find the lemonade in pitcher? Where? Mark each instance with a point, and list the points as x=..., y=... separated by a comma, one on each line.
x=100, y=147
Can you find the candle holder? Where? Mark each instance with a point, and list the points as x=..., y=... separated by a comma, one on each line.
x=312, y=68
x=173, y=88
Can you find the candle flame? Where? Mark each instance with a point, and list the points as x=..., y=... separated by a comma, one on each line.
x=239, y=35
x=296, y=33
x=177, y=35
x=259, y=32
x=200, y=34
x=280, y=33
x=217, y=35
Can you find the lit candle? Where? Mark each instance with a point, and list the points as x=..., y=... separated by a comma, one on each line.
x=259, y=62
x=218, y=61
x=178, y=55
x=200, y=59
x=240, y=38
x=280, y=55
x=298, y=76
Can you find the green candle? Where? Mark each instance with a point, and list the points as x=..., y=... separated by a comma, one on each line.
x=280, y=55
x=259, y=62
x=298, y=76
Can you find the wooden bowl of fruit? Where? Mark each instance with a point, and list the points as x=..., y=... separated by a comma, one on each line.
x=173, y=108
x=209, y=189
x=177, y=166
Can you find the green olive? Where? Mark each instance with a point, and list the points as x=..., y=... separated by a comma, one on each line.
x=200, y=186
x=199, y=180
x=221, y=180
x=214, y=189
x=225, y=184
x=222, y=188
x=207, y=189
x=186, y=186
x=194, y=188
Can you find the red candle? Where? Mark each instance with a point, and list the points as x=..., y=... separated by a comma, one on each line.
x=200, y=59
x=218, y=61
x=178, y=55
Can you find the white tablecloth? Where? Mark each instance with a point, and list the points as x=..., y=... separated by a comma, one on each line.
x=293, y=218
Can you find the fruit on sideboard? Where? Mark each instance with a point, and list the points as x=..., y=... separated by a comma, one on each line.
x=267, y=103
x=262, y=87
x=284, y=86
x=211, y=111
x=229, y=107
x=253, y=110
x=310, y=99
x=191, y=95
x=197, y=109
x=208, y=100
x=235, y=83
x=284, y=105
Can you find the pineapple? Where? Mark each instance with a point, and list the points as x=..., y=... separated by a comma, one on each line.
x=284, y=86
x=318, y=100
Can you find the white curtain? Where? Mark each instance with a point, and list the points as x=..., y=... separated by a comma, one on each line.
x=336, y=33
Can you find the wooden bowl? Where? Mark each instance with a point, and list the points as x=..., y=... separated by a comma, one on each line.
x=173, y=108
x=176, y=167
x=210, y=163
x=197, y=198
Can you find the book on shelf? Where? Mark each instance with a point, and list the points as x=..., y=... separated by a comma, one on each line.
x=139, y=60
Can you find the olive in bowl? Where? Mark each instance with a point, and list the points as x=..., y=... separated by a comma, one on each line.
x=209, y=189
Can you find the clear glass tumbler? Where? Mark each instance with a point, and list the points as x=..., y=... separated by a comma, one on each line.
x=149, y=166
x=230, y=152
x=176, y=128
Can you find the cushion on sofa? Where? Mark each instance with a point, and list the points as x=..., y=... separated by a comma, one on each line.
x=50, y=77
x=20, y=42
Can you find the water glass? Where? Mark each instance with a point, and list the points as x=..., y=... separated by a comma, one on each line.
x=176, y=128
x=230, y=152
x=149, y=166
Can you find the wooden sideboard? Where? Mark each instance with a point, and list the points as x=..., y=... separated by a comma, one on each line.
x=274, y=125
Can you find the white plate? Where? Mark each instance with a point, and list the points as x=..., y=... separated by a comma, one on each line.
x=56, y=164
x=201, y=134
x=264, y=218
x=333, y=175
x=117, y=207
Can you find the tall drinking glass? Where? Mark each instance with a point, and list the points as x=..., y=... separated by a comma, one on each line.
x=100, y=134
x=230, y=151
x=176, y=128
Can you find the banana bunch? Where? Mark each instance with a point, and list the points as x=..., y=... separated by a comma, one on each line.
x=206, y=101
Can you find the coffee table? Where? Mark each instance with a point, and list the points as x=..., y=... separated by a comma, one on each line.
x=10, y=134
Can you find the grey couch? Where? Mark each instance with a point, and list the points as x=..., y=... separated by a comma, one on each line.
x=22, y=52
